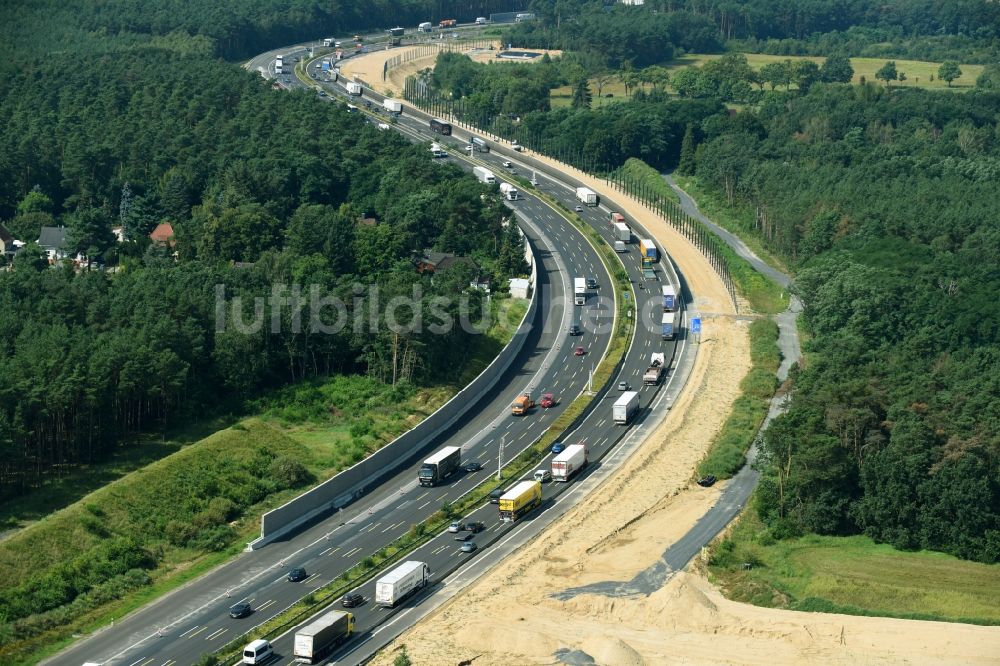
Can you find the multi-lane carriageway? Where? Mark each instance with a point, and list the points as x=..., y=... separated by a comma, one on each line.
x=194, y=620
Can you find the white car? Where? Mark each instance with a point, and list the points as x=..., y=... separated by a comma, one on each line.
x=507, y=164
x=383, y=126
x=543, y=475
x=456, y=527
x=518, y=147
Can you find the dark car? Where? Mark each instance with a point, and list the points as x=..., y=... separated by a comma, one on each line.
x=241, y=609
x=557, y=447
x=469, y=547
x=297, y=574
x=496, y=495
x=352, y=600
x=475, y=527
x=707, y=481
x=473, y=467
x=464, y=536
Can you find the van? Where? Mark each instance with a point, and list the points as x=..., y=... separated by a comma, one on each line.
x=257, y=652
x=620, y=246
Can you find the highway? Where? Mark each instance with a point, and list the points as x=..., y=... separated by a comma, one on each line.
x=193, y=620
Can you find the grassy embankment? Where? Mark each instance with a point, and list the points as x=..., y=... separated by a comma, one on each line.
x=167, y=523
x=852, y=575
x=918, y=75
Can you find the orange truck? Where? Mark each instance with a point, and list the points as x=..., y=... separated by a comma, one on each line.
x=448, y=23
x=521, y=405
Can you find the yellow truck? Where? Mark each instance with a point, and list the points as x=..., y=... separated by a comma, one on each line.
x=522, y=405
x=519, y=500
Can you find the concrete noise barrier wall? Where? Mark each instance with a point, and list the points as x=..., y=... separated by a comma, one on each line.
x=353, y=482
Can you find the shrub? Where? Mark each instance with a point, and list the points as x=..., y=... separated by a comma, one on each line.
x=180, y=532
x=289, y=473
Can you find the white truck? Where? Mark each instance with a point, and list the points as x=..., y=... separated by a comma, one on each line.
x=622, y=232
x=353, y=88
x=317, y=639
x=625, y=407
x=669, y=298
x=669, y=323
x=393, y=106
x=620, y=246
x=579, y=291
x=425, y=27
x=508, y=191
x=484, y=175
x=572, y=459
x=587, y=196
x=401, y=582
x=655, y=369
x=279, y=64
x=438, y=151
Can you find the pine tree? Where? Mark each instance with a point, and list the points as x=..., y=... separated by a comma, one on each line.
x=687, y=163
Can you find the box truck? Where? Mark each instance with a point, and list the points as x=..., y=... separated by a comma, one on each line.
x=317, y=639
x=569, y=462
x=484, y=175
x=401, y=582
x=393, y=106
x=669, y=298
x=649, y=250
x=616, y=218
x=625, y=407
x=438, y=151
x=587, y=196
x=519, y=500
x=622, y=232
x=442, y=127
x=579, y=291
x=353, y=88
x=508, y=191
x=669, y=329
x=440, y=466
x=425, y=27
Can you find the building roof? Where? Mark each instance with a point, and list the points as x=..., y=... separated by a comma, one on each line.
x=53, y=238
x=5, y=235
x=442, y=260
x=163, y=233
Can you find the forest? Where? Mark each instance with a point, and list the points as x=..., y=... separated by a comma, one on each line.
x=261, y=188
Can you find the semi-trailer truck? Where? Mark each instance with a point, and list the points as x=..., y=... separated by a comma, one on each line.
x=669, y=298
x=587, y=196
x=442, y=127
x=353, y=88
x=669, y=328
x=425, y=27
x=625, y=407
x=655, y=369
x=616, y=218
x=569, y=462
x=317, y=639
x=395, y=32
x=440, y=466
x=579, y=291
x=401, y=582
x=622, y=232
x=519, y=500
x=484, y=175
x=448, y=23
x=393, y=106
x=480, y=144
x=508, y=191
x=649, y=250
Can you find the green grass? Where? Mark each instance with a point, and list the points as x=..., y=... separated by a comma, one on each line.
x=563, y=95
x=728, y=451
x=853, y=575
x=918, y=72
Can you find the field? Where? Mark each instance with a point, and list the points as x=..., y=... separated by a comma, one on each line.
x=853, y=575
x=918, y=73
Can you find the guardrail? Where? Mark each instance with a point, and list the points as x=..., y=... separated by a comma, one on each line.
x=352, y=483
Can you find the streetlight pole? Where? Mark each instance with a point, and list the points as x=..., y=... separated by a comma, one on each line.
x=500, y=456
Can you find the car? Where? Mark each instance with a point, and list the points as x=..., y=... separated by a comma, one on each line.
x=469, y=148
x=464, y=537
x=322, y=93
x=297, y=574
x=557, y=447
x=352, y=600
x=507, y=164
x=241, y=609
x=475, y=527
x=543, y=475
x=456, y=527
x=622, y=386
x=591, y=283
x=707, y=481
x=495, y=495
x=579, y=209
x=516, y=146
x=469, y=547
x=473, y=467
x=383, y=126
x=579, y=351
x=548, y=400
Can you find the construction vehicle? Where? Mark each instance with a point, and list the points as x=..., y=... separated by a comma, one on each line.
x=522, y=405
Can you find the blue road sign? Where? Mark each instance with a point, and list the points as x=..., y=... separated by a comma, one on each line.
x=696, y=325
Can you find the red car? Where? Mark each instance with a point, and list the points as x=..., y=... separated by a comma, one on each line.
x=579, y=351
x=548, y=400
